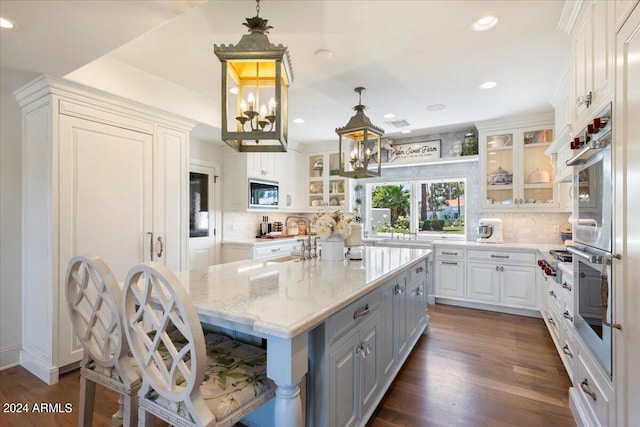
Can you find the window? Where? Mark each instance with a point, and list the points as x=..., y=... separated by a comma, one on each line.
x=428, y=208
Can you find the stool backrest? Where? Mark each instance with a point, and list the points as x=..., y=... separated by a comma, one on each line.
x=164, y=332
x=94, y=301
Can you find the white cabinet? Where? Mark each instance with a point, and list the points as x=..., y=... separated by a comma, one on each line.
x=325, y=186
x=515, y=172
x=592, y=59
x=236, y=251
x=449, y=272
x=283, y=168
x=484, y=282
x=101, y=176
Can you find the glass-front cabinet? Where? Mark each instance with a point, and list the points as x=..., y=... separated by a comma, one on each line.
x=515, y=172
x=325, y=187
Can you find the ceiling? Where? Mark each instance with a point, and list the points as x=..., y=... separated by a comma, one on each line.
x=408, y=54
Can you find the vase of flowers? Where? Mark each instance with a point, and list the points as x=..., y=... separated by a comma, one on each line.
x=333, y=228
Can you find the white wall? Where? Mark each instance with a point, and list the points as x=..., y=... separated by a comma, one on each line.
x=10, y=231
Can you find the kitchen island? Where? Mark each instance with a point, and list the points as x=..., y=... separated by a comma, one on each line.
x=338, y=322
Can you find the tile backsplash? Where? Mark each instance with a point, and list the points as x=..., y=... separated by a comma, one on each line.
x=246, y=225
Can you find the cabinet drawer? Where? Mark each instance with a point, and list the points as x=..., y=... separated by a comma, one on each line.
x=502, y=257
x=417, y=271
x=591, y=392
x=271, y=251
x=449, y=253
x=353, y=314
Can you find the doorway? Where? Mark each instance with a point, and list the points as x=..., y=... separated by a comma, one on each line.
x=203, y=215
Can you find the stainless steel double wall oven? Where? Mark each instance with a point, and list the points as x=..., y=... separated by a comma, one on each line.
x=592, y=231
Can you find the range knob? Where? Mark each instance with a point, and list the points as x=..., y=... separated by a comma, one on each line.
x=592, y=128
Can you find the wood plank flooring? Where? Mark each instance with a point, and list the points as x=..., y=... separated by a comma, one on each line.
x=476, y=368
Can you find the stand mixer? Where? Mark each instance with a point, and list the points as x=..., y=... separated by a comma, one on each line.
x=354, y=243
x=490, y=230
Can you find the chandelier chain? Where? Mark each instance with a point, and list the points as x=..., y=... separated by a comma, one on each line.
x=257, y=7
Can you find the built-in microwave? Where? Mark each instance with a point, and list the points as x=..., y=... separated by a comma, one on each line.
x=263, y=194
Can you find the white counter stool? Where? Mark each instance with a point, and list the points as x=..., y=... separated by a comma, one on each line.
x=194, y=385
x=94, y=300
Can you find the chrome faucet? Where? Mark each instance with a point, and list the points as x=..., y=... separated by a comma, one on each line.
x=306, y=244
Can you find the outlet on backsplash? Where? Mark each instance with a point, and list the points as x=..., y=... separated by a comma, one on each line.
x=556, y=228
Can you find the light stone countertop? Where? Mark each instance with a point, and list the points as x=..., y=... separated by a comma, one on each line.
x=262, y=241
x=284, y=299
x=541, y=247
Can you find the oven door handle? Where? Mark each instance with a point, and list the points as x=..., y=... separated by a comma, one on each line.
x=592, y=258
x=604, y=293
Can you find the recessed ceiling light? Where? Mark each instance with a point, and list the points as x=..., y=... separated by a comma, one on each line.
x=298, y=120
x=5, y=23
x=323, y=53
x=436, y=107
x=233, y=90
x=488, y=85
x=485, y=23
x=389, y=116
x=406, y=131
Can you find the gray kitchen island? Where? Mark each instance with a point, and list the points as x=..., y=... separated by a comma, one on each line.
x=344, y=327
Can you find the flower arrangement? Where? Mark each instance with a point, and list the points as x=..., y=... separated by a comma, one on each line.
x=329, y=223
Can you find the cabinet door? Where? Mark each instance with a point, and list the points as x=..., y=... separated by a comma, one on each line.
x=399, y=316
x=449, y=278
x=370, y=377
x=534, y=171
x=497, y=168
x=582, y=54
x=484, y=281
x=343, y=385
x=518, y=286
x=262, y=165
x=387, y=353
x=416, y=305
x=105, y=205
x=602, y=25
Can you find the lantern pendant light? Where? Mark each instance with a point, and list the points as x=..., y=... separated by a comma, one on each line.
x=363, y=141
x=256, y=75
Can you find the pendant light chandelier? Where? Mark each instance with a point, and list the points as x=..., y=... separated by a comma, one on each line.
x=363, y=141
x=256, y=75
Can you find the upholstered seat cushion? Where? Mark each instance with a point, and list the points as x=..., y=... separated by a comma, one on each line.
x=235, y=375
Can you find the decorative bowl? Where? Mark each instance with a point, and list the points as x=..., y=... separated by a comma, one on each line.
x=499, y=177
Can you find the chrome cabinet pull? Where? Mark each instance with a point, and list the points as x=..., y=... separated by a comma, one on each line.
x=566, y=286
x=567, y=351
x=449, y=253
x=449, y=263
x=501, y=268
x=161, y=247
x=500, y=256
x=553, y=294
x=275, y=249
x=497, y=268
x=419, y=291
x=399, y=290
x=584, y=385
x=553, y=322
x=361, y=312
x=566, y=315
x=419, y=269
x=150, y=233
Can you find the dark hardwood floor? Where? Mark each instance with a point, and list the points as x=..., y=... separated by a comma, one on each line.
x=475, y=368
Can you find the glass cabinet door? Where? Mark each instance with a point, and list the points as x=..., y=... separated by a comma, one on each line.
x=326, y=187
x=500, y=168
x=536, y=166
x=316, y=181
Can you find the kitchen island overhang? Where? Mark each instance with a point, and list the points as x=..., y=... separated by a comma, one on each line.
x=284, y=302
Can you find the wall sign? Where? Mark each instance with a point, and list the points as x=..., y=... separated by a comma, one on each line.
x=415, y=152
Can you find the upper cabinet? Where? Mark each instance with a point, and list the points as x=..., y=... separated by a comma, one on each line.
x=592, y=59
x=264, y=165
x=515, y=172
x=325, y=186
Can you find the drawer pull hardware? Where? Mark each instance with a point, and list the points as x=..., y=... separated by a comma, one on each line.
x=553, y=294
x=584, y=385
x=449, y=253
x=566, y=351
x=275, y=249
x=363, y=350
x=501, y=268
x=553, y=322
x=566, y=286
x=449, y=263
x=419, y=291
x=497, y=268
x=500, y=256
x=399, y=290
x=566, y=315
x=419, y=269
x=150, y=233
x=361, y=312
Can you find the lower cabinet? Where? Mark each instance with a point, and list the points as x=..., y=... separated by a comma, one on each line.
x=236, y=251
x=355, y=355
x=449, y=278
